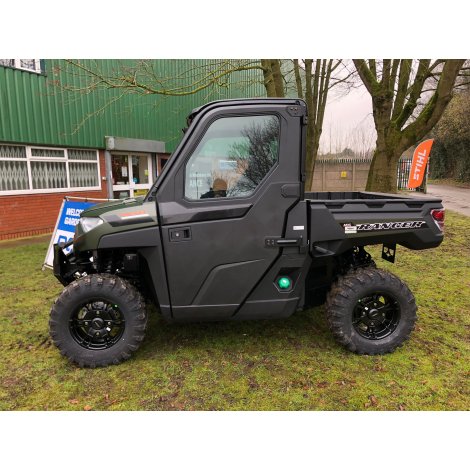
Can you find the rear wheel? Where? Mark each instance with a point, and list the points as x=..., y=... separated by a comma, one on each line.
x=370, y=311
x=98, y=320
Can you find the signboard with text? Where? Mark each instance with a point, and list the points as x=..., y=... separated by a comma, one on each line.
x=69, y=216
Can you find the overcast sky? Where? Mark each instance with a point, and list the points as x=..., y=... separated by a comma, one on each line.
x=347, y=119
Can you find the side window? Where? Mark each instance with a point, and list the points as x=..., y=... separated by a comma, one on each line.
x=233, y=157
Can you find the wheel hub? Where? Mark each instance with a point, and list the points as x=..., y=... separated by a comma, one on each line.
x=97, y=325
x=373, y=314
x=376, y=316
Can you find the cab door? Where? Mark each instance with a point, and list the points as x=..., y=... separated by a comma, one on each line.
x=226, y=196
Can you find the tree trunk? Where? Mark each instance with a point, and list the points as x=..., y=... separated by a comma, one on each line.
x=383, y=171
x=298, y=79
x=273, y=79
x=310, y=124
x=389, y=147
x=268, y=77
x=277, y=77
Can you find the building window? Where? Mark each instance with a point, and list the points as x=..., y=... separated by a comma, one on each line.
x=25, y=169
x=31, y=65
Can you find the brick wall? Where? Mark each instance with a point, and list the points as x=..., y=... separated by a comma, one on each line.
x=35, y=214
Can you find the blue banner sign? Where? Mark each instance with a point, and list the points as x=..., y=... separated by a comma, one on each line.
x=69, y=217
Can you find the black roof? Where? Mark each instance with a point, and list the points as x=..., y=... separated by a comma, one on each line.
x=248, y=101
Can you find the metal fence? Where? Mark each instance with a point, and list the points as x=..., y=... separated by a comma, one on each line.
x=404, y=168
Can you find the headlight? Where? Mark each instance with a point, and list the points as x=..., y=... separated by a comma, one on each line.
x=89, y=223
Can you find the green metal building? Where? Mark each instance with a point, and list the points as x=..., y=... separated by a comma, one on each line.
x=81, y=129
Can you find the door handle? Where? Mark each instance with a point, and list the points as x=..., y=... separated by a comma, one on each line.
x=180, y=234
x=289, y=241
x=274, y=242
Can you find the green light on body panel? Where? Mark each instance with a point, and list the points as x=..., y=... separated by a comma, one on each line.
x=284, y=283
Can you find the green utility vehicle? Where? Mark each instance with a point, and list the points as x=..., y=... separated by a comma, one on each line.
x=228, y=232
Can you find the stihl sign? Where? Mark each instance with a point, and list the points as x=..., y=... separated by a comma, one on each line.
x=418, y=165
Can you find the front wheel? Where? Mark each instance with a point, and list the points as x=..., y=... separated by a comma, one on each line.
x=370, y=311
x=98, y=320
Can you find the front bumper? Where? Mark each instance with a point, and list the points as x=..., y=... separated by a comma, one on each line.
x=63, y=268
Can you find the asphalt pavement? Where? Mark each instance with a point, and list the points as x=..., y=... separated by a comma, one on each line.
x=453, y=198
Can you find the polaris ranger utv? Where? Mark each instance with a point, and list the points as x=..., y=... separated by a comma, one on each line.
x=228, y=232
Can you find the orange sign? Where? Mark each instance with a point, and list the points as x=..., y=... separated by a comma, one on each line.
x=418, y=165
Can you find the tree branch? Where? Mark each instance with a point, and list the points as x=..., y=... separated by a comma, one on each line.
x=385, y=82
x=367, y=77
x=130, y=80
x=393, y=76
x=373, y=68
x=433, y=110
x=403, y=80
x=415, y=93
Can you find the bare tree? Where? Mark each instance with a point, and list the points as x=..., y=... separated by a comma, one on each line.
x=314, y=79
x=408, y=99
x=361, y=139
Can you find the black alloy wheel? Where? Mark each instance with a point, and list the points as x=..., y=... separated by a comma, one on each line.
x=370, y=311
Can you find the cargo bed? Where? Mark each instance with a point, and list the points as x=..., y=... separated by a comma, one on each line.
x=359, y=218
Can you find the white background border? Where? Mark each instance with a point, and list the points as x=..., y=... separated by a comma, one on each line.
x=203, y=29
